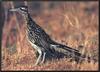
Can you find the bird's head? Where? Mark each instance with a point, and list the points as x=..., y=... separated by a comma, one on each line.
x=22, y=10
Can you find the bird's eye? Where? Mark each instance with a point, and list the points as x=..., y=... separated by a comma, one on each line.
x=23, y=8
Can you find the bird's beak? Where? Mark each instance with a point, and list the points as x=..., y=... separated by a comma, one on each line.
x=13, y=9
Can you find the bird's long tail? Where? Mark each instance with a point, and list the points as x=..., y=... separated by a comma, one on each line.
x=69, y=52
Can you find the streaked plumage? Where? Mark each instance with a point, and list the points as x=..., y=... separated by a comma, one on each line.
x=40, y=40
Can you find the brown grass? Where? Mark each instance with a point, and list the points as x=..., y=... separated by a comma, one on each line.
x=69, y=23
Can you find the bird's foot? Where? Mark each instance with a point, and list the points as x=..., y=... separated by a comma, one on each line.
x=43, y=58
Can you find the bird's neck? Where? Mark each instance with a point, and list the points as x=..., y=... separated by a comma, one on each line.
x=29, y=19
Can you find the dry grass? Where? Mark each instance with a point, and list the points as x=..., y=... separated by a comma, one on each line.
x=72, y=23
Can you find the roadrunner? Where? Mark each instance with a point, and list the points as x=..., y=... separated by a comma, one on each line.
x=40, y=40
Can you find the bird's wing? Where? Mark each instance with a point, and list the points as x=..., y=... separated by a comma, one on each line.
x=40, y=37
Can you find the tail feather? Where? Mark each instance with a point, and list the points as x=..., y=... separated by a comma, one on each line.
x=69, y=52
x=58, y=45
x=67, y=48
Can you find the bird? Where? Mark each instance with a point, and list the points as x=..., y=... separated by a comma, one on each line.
x=39, y=39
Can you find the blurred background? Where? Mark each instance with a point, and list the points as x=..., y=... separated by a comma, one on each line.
x=68, y=22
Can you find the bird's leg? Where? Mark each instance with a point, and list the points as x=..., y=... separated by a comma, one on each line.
x=39, y=57
x=43, y=57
